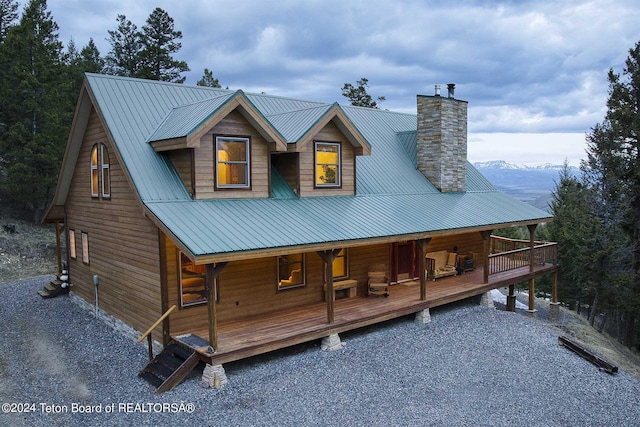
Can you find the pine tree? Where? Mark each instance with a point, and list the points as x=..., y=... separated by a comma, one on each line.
x=359, y=96
x=159, y=42
x=612, y=175
x=8, y=16
x=208, y=79
x=124, y=57
x=623, y=119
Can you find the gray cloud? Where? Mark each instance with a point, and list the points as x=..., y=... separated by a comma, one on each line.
x=532, y=66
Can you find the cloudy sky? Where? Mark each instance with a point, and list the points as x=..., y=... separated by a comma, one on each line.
x=534, y=72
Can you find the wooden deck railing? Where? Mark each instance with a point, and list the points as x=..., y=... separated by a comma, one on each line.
x=545, y=253
x=148, y=333
x=505, y=244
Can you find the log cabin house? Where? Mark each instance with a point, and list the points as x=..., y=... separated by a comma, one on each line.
x=260, y=217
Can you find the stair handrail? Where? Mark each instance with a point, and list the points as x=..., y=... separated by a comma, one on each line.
x=148, y=333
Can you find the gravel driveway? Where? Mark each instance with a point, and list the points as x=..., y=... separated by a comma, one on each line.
x=470, y=366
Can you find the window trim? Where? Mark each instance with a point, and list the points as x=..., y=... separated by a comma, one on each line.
x=85, y=247
x=100, y=171
x=338, y=183
x=303, y=267
x=93, y=167
x=247, y=141
x=105, y=169
x=72, y=244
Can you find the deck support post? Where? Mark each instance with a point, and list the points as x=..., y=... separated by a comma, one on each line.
x=422, y=248
x=423, y=316
x=486, y=300
x=213, y=376
x=213, y=271
x=332, y=343
x=486, y=240
x=328, y=257
x=532, y=296
x=511, y=299
x=532, y=243
x=554, y=307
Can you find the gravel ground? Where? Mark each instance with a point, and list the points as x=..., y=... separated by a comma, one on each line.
x=470, y=366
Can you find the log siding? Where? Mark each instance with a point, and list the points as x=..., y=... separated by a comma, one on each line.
x=123, y=243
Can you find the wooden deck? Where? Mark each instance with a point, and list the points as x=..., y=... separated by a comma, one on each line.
x=250, y=336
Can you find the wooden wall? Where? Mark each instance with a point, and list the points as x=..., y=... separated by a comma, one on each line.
x=469, y=242
x=123, y=243
x=183, y=162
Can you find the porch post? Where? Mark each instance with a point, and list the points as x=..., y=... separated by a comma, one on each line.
x=532, y=233
x=213, y=271
x=486, y=237
x=328, y=257
x=422, y=246
x=511, y=299
x=532, y=297
x=554, y=287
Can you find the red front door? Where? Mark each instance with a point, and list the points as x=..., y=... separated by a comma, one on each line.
x=404, y=261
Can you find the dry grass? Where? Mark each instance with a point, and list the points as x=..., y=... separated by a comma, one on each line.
x=30, y=251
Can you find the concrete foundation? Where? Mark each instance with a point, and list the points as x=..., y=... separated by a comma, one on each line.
x=332, y=343
x=423, y=316
x=213, y=376
x=487, y=300
x=554, y=311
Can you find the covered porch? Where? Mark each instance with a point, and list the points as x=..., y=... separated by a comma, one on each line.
x=253, y=335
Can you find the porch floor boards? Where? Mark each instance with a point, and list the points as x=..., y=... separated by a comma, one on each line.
x=259, y=334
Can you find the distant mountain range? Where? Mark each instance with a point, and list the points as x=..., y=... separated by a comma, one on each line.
x=531, y=184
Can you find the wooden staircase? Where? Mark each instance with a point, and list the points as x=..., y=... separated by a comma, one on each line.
x=54, y=289
x=170, y=367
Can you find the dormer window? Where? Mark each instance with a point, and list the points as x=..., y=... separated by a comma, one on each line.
x=327, y=161
x=232, y=162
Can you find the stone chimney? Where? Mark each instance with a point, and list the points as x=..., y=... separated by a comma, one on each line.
x=442, y=140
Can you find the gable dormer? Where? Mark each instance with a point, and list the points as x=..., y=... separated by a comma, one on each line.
x=322, y=149
x=224, y=147
x=220, y=147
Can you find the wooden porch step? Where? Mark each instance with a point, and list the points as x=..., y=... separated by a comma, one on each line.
x=53, y=289
x=169, y=367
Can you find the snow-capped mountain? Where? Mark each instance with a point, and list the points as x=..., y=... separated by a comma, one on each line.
x=501, y=164
x=531, y=184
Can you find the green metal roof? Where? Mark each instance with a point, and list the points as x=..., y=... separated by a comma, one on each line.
x=184, y=119
x=393, y=198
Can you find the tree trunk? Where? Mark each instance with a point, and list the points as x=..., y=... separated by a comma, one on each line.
x=594, y=309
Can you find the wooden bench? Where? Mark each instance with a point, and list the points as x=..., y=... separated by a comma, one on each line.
x=350, y=285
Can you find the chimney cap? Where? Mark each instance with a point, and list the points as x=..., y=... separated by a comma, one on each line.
x=437, y=88
x=451, y=87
